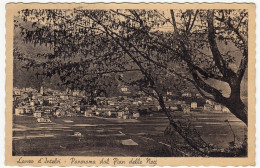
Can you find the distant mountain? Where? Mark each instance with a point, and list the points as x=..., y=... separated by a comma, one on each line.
x=24, y=78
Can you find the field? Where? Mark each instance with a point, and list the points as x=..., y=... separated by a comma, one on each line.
x=105, y=137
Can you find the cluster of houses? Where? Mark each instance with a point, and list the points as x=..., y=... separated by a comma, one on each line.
x=45, y=104
x=210, y=105
x=120, y=107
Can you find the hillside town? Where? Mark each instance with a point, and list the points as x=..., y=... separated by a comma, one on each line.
x=47, y=103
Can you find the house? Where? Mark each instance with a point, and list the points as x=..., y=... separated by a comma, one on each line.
x=126, y=109
x=52, y=99
x=194, y=105
x=217, y=107
x=186, y=95
x=37, y=114
x=174, y=108
x=159, y=107
x=124, y=89
x=32, y=103
x=149, y=99
x=76, y=93
x=120, y=114
x=30, y=89
x=88, y=113
x=78, y=134
x=207, y=107
x=185, y=108
x=136, y=115
x=169, y=93
x=125, y=117
x=68, y=91
x=24, y=95
x=77, y=108
x=43, y=120
x=69, y=114
x=64, y=97
x=40, y=101
x=47, y=110
x=109, y=113
x=140, y=93
x=41, y=90
x=59, y=113
x=135, y=103
x=34, y=97
x=97, y=113
x=19, y=111
x=17, y=92
x=210, y=102
x=225, y=110
x=111, y=103
x=29, y=110
x=102, y=102
x=93, y=108
x=180, y=102
x=198, y=95
x=63, y=103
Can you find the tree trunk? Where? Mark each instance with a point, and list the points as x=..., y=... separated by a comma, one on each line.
x=179, y=130
x=239, y=109
x=234, y=103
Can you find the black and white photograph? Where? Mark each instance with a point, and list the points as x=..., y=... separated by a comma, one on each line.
x=130, y=82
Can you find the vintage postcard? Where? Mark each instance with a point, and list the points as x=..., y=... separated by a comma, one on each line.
x=130, y=84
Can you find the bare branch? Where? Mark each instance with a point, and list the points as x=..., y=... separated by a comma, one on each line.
x=125, y=15
x=240, y=36
x=173, y=21
x=192, y=24
x=243, y=65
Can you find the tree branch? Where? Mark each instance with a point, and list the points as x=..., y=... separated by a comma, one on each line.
x=127, y=16
x=244, y=59
x=220, y=62
x=231, y=27
x=174, y=21
x=209, y=89
x=202, y=94
x=195, y=67
x=243, y=65
x=192, y=24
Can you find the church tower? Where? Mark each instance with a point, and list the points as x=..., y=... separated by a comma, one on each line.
x=41, y=90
